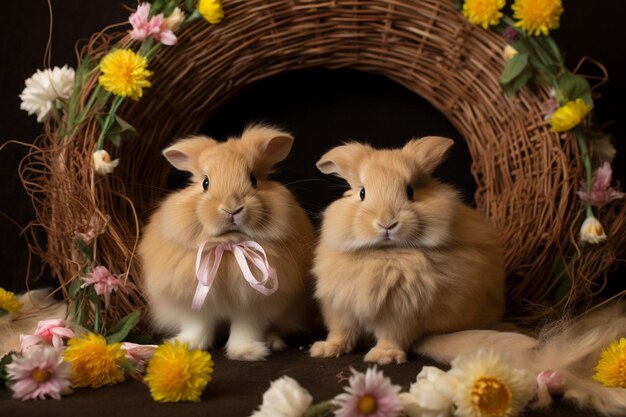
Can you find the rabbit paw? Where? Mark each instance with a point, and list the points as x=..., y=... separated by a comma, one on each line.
x=249, y=351
x=276, y=343
x=384, y=356
x=324, y=349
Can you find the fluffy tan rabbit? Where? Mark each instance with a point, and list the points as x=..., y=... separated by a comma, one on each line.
x=229, y=200
x=400, y=255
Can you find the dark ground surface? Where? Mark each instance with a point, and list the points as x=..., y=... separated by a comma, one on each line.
x=236, y=390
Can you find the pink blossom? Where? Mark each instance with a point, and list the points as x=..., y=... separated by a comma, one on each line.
x=145, y=26
x=38, y=374
x=550, y=106
x=51, y=332
x=138, y=354
x=90, y=230
x=105, y=283
x=370, y=394
x=601, y=191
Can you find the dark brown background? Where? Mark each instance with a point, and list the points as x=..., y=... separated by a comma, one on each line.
x=321, y=107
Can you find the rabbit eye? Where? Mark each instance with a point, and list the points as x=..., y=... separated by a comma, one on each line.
x=409, y=192
x=253, y=180
x=205, y=183
x=362, y=193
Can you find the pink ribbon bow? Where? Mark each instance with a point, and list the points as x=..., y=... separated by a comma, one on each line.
x=210, y=256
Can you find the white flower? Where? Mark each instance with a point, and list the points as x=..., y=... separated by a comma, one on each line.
x=509, y=52
x=102, y=162
x=284, y=398
x=431, y=395
x=370, y=394
x=592, y=231
x=174, y=20
x=487, y=385
x=45, y=90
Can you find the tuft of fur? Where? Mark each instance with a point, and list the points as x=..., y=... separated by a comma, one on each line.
x=572, y=347
x=37, y=305
x=269, y=215
x=402, y=266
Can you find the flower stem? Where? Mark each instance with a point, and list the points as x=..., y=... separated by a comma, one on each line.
x=108, y=122
x=582, y=144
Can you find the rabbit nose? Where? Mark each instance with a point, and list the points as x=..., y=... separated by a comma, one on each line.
x=388, y=226
x=231, y=211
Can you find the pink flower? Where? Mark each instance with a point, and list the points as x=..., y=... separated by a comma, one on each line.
x=105, y=283
x=39, y=373
x=601, y=191
x=51, y=332
x=89, y=230
x=370, y=394
x=138, y=354
x=550, y=106
x=145, y=26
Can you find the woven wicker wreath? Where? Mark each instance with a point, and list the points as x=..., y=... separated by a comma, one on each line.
x=526, y=175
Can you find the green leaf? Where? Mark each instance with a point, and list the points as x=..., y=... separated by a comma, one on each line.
x=117, y=128
x=123, y=327
x=574, y=86
x=189, y=5
x=458, y=5
x=6, y=360
x=86, y=250
x=195, y=15
x=75, y=288
x=512, y=87
x=170, y=8
x=81, y=75
x=514, y=67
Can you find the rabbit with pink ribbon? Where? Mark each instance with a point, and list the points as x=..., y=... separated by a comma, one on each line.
x=232, y=246
x=400, y=256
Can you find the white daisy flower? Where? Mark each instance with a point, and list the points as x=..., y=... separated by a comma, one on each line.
x=45, y=90
x=431, y=395
x=370, y=394
x=284, y=398
x=488, y=386
x=102, y=162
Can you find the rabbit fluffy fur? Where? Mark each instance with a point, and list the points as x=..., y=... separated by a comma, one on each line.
x=37, y=305
x=268, y=214
x=571, y=347
x=406, y=260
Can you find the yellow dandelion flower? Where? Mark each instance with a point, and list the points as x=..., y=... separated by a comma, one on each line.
x=211, y=10
x=483, y=12
x=124, y=73
x=93, y=362
x=537, y=16
x=176, y=373
x=611, y=369
x=9, y=302
x=569, y=115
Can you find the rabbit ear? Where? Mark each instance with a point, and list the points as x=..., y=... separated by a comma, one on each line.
x=344, y=160
x=183, y=154
x=274, y=145
x=428, y=152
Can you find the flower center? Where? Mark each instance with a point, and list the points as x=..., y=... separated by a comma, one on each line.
x=490, y=396
x=40, y=375
x=367, y=405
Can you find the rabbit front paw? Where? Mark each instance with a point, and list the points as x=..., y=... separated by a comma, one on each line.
x=385, y=356
x=249, y=351
x=325, y=349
